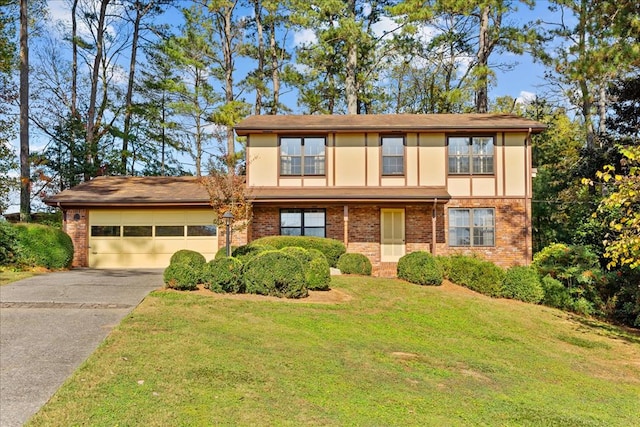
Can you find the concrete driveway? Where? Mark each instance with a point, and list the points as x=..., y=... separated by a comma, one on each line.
x=50, y=324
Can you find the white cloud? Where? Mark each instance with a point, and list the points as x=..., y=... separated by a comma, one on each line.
x=525, y=97
x=304, y=37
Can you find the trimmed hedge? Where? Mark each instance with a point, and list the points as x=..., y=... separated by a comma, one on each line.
x=275, y=273
x=444, y=264
x=331, y=248
x=522, y=283
x=476, y=274
x=222, y=252
x=245, y=252
x=421, y=268
x=318, y=273
x=43, y=246
x=182, y=276
x=354, y=263
x=223, y=275
x=8, y=243
x=186, y=256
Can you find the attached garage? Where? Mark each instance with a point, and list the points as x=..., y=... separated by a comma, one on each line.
x=137, y=222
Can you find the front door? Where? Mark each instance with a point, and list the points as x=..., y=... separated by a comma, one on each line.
x=392, y=234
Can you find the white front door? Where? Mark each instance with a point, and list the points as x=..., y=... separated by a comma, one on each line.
x=392, y=234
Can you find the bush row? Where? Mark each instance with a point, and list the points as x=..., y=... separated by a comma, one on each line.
x=331, y=248
x=34, y=245
x=258, y=269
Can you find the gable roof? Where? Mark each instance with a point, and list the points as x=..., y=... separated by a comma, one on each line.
x=129, y=191
x=387, y=123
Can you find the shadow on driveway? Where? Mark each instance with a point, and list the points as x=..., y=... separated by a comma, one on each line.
x=49, y=324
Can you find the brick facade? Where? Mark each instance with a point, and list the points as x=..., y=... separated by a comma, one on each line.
x=75, y=223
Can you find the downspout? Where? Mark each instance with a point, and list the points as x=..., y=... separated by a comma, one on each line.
x=433, y=226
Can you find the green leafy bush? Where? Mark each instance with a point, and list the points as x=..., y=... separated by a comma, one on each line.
x=331, y=248
x=222, y=252
x=555, y=293
x=223, y=275
x=318, y=272
x=8, y=243
x=245, y=252
x=275, y=273
x=522, y=283
x=186, y=256
x=354, y=263
x=476, y=274
x=444, y=263
x=43, y=246
x=420, y=267
x=182, y=276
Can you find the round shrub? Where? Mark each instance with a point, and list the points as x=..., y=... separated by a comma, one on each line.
x=245, y=252
x=186, y=256
x=318, y=272
x=275, y=273
x=331, y=248
x=354, y=263
x=301, y=254
x=481, y=276
x=8, y=243
x=182, y=276
x=522, y=283
x=444, y=263
x=555, y=293
x=421, y=268
x=222, y=252
x=43, y=246
x=223, y=275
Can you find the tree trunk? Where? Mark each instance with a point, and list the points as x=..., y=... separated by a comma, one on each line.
x=259, y=30
x=91, y=112
x=228, y=90
x=275, y=67
x=482, y=95
x=351, y=68
x=25, y=170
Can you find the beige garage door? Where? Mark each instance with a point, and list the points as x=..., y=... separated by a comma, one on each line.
x=148, y=238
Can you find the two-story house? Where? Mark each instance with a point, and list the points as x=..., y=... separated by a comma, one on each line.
x=385, y=185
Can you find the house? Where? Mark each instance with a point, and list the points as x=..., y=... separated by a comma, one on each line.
x=385, y=185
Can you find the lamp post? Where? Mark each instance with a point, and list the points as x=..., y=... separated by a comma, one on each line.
x=228, y=219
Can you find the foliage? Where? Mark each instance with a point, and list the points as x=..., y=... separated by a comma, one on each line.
x=625, y=304
x=317, y=272
x=182, y=276
x=420, y=267
x=476, y=274
x=8, y=243
x=275, y=273
x=354, y=263
x=187, y=256
x=444, y=264
x=223, y=275
x=43, y=246
x=621, y=209
x=245, y=252
x=331, y=248
x=555, y=293
x=522, y=283
x=228, y=193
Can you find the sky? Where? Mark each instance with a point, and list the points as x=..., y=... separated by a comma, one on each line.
x=523, y=80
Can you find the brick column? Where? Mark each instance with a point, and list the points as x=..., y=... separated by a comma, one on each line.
x=76, y=224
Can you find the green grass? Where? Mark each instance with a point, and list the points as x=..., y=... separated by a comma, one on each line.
x=8, y=276
x=396, y=354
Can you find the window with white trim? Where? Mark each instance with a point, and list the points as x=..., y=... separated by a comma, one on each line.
x=302, y=156
x=471, y=155
x=303, y=222
x=392, y=155
x=472, y=227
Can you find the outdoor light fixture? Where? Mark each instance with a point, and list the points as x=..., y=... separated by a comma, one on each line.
x=228, y=219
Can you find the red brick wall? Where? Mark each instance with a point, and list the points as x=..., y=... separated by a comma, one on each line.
x=78, y=230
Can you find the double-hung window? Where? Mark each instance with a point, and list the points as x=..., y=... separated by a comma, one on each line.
x=303, y=222
x=471, y=155
x=472, y=227
x=392, y=155
x=300, y=156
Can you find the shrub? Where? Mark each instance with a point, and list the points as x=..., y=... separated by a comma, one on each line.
x=222, y=252
x=182, y=276
x=186, y=256
x=223, y=275
x=555, y=293
x=275, y=273
x=43, y=246
x=301, y=254
x=444, y=263
x=354, y=263
x=245, y=252
x=522, y=283
x=331, y=248
x=8, y=243
x=318, y=272
x=476, y=274
x=420, y=267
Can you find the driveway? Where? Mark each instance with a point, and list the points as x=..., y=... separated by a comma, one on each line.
x=50, y=324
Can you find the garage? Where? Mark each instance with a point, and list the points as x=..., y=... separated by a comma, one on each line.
x=137, y=222
x=147, y=238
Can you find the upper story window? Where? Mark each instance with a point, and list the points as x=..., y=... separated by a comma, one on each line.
x=301, y=156
x=471, y=155
x=392, y=155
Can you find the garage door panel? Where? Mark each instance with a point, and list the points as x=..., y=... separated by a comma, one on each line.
x=105, y=246
x=137, y=245
x=206, y=247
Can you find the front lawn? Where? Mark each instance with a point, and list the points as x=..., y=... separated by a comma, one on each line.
x=8, y=275
x=395, y=354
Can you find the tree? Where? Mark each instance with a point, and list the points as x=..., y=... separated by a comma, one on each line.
x=25, y=170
